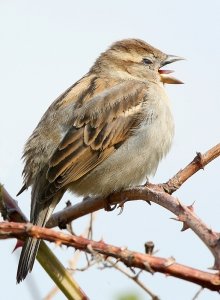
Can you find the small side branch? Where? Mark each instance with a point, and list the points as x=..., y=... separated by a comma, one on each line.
x=198, y=163
x=133, y=277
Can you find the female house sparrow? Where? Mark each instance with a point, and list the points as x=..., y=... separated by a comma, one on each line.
x=105, y=133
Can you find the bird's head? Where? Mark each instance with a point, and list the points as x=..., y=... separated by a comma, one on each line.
x=133, y=58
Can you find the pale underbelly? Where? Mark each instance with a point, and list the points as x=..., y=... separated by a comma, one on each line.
x=130, y=165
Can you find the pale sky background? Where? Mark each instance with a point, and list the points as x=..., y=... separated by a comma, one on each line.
x=48, y=45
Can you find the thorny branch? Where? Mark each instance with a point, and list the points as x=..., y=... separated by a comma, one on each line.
x=159, y=195
x=10, y=211
x=85, y=207
x=129, y=258
x=198, y=163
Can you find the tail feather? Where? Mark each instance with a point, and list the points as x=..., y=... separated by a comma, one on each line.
x=28, y=254
x=31, y=245
x=39, y=216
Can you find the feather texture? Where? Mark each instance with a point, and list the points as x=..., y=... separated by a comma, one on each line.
x=99, y=127
x=107, y=132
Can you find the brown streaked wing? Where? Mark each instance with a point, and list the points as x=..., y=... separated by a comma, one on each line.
x=100, y=126
x=110, y=103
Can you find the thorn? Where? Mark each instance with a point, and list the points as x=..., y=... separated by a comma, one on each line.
x=210, y=230
x=169, y=262
x=185, y=227
x=175, y=219
x=108, y=207
x=191, y=207
x=89, y=247
x=147, y=181
x=19, y=244
x=58, y=243
x=28, y=226
x=181, y=218
x=121, y=206
x=102, y=240
x=148, y=267
x=121, y=210
x=123, y=248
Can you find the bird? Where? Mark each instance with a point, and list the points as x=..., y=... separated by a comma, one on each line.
x=105, y=133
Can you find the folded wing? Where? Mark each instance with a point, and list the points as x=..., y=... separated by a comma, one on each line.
x=99, y=128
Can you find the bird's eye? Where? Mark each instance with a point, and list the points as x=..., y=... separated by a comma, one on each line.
x=146, y=61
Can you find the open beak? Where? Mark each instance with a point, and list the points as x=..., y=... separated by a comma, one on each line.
x=164, y=74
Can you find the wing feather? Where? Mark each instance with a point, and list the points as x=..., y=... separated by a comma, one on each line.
x=100, y=126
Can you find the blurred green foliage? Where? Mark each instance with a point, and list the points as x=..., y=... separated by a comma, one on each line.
x=130, y=296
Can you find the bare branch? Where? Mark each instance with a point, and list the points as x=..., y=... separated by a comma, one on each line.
x=129, y=258
x=198, y=163
x=159, y=195
x=156, y=194
x=10, y=211
x=9, y=208
x=170, y=186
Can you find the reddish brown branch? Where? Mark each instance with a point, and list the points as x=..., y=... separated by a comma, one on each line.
x=129, y=258
x=67, y=215
x=198, y=163
x=81, y=209
x=9, y=208
x=10, y=211
x=157, y=194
